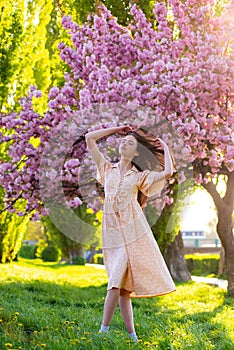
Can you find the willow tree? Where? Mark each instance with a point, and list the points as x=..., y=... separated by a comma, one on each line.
x=30, y=32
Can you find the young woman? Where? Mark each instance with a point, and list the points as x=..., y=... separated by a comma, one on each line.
x=134, y=264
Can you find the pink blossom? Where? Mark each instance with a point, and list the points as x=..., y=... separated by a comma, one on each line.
x=72, y=163
x=181, y=177
x=186, y=80
x=76, y=202
x=159, y=66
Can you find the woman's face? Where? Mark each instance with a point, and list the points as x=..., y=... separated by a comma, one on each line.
x=128, y=147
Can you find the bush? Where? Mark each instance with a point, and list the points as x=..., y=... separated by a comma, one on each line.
x=79, y=260
x=98, y=259
x=202, y=265
x=28, y=251
x=51, y=254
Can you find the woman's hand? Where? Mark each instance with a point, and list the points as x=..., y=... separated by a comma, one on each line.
x=92, y=136
x=160, y=144
x=169, y=162
x=123, y=130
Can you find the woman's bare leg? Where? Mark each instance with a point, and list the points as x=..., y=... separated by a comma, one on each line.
x=126, y=310
x=110, y=305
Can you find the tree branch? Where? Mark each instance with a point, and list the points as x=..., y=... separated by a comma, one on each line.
x=210, y=187
x=12, y=203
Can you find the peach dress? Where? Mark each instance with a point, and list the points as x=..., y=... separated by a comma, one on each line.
x=132, y=257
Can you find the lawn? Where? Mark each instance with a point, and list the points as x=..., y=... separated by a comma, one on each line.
x=59, y=307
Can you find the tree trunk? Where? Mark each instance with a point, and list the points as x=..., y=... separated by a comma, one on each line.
x=92, y=253
x=221, y=268
x=70, y=254
x=175, y=260
x=80, y=251
x=75, y=251
x=173, y=253
x=224, y=230
x=224, y=206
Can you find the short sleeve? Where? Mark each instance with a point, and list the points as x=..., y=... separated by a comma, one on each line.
x=102, y=164
x=148, y=184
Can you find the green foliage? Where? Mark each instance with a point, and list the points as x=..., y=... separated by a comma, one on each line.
x=11, y=30
x=50, y=253
x=71, y=248
x=12, y=230
x=79, y=260
x=61, y=306
x=42, y=244
x=202, y=265
x=168, y=224
x=79, y=10
x=23, y=54
x=121, y=9
x=98, y=259
x=28, y=251
x=34, y=231
x=219, y=6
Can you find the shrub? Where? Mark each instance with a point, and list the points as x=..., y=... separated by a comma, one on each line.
x=79, y=260
x=98, y=259
x=28, y=251
x=50, y=253
x=203, y=264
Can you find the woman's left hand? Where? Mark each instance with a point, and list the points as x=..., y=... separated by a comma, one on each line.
x=159, y=143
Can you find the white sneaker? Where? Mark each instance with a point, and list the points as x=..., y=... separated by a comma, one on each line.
x=133, y=336
x=103, y=329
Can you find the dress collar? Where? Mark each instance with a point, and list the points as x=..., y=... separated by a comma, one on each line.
x=133, y=168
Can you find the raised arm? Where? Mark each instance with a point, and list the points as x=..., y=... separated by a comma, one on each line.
x=168, y=164
x=151, y=183
x=92, y=136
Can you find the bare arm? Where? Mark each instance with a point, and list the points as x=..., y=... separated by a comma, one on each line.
x=92, y=136
x=168, y=164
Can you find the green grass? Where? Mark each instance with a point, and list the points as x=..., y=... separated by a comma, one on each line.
x=59, y=307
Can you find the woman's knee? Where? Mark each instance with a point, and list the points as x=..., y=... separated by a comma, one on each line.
x=113, y=291
x=124, y=293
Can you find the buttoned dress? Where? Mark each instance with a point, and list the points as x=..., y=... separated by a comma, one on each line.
x=132, y=257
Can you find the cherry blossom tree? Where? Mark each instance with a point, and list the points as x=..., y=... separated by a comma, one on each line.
x=173, y=75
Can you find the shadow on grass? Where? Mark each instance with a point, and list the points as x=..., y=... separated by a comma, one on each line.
x=47, y=293
x=52, y=265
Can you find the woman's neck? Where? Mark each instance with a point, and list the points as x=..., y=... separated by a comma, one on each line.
x=124, y=165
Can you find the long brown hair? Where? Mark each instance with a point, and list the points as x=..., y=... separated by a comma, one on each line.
x=151, y=156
